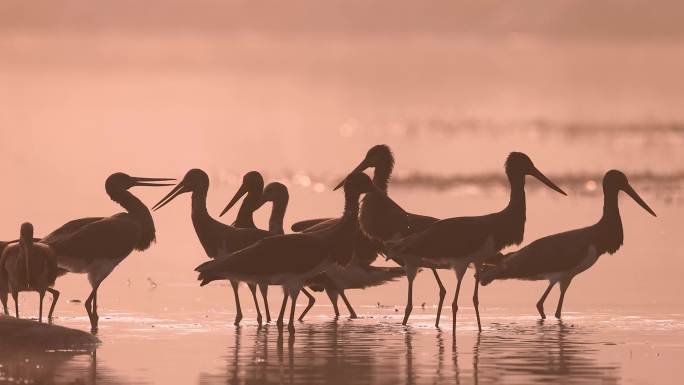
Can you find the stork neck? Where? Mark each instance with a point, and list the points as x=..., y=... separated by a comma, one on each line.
x=138, y=210
x=516, y=203
x=611, y=211
x=382, y=174
x=351, y=207
x=199, y=205
x=275, y=222
x=245, y=217
x=131, y=203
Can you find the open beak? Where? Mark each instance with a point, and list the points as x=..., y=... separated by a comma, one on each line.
x=178, y=190
x=242, y=191
x=542, y=178
x=148, y=181
x=360, y=168
x=630, y=191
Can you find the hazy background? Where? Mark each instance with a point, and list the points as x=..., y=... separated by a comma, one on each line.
x=300, y=90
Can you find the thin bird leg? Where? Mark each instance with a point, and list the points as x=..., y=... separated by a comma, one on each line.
x=476, y=299
x=282, y=310
x=454, y=305
x=91, y=301
x=41, y=295
x=442, y=294
x=293, y=294
x=238, y=308
x=252, y=289
x=352, y=313
x=55, y=297
x=312, y=300
x=332, y=294
x=411, y=271
x=563, y=287
x=3, y=298
x=540, y=303
x=264, y=294
x=15, y=297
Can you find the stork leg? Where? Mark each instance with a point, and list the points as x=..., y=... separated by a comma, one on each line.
x=411, y=271
x=282, y=310
x=312, y=300
x=3, y=298
x=264, y=294
x=41, y=295
x=95, y=278
x=294, y=292
x=55, y=297
x=476, y=299
x=563, y=287
x=252, y=289
x=15, y=297
x=332, y=294
x=460, y=272
x=352, y=313
x=238, y=308
x=442, y=294
x=540, y=303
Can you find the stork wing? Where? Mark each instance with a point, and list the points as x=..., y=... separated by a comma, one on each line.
x=555, y=253
x=307, y=223
x=68, y=228
x=417, y=222
x=283, y=254
x=448, y=238
x=110, y=238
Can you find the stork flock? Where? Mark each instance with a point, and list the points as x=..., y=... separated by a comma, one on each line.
x=324, y=254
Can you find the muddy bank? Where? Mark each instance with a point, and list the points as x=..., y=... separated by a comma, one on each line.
x=28, y=334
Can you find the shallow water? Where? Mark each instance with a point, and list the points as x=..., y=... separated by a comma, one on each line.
x=514, y=347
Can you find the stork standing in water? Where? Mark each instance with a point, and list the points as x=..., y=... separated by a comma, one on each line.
x=96, y=245
x=560, y=257
x=213, y=235
x=278, y=195
x=28, y=266
x=383, y=219
x=253, y=187
x=455, y=243
x=289, y=260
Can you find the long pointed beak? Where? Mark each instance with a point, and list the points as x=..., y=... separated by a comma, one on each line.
x=542, y=178
x=148, y=181
x=178, y=190
x=630, y=191
x=240, y=192
x=360, y=168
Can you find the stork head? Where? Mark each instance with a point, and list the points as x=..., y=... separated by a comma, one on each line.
x=252, y=184
x=194, y=180
x=616, y=180
x=519, y=164
x=378, y=155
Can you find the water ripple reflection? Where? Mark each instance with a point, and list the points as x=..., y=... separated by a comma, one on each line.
x=344, y=352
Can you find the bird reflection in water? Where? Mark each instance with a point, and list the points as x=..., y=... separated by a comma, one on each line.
x=349, y=351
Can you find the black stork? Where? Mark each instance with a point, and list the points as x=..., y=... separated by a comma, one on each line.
x=360, y=274
x=96, y=245
x=381, y=218
x=213, y=235
x=28, y=266
x=278, y=194
x=290, y=260
x=253, y=187
x=455, y=243
x=560, y=257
